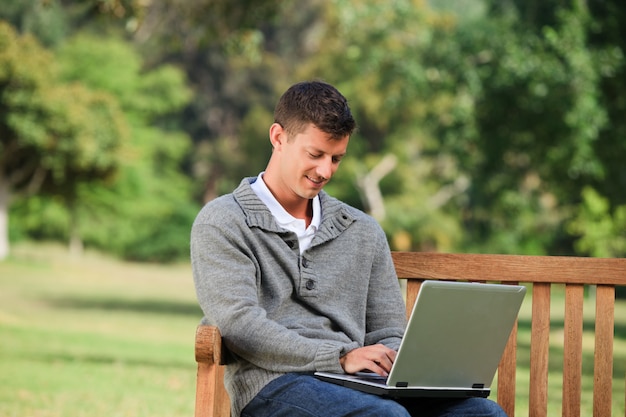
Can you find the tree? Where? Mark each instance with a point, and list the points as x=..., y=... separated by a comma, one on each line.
x=542, y=122
x=602, y=233
x=497, y=118
x=490, y=118
x=144, y=211
x=230, y=53
x=380, y=54
x=54, y=136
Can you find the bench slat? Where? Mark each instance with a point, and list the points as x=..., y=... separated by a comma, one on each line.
x=412, y=288
x=572, y=350
x=506, y=374
x=507, y=268
x=539, y=349
x=603, y=361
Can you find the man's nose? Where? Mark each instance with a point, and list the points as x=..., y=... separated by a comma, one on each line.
x=325, y=168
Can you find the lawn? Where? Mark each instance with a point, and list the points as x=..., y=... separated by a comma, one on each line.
x=99, y=337
x=95, y=337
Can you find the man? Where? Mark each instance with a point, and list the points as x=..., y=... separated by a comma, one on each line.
x=298, y=281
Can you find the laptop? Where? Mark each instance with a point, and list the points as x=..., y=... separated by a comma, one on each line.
x=452, y=345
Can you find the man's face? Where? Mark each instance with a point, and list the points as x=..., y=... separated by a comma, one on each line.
x=308, y=161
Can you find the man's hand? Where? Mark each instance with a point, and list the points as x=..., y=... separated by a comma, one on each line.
x=375, y=358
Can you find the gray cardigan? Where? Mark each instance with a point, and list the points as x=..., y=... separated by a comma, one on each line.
x=279, y=311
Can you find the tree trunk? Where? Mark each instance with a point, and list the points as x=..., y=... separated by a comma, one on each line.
x=368, y=186
x=4, y=219
x=76, y=242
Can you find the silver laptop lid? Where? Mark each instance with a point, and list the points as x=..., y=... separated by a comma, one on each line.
x=456, y=334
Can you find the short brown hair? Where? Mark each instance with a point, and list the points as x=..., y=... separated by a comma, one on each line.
x=318, y=103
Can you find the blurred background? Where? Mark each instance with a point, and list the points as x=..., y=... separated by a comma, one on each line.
x=491, y=126
x=484, y=126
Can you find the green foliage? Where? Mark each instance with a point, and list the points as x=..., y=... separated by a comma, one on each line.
x=44, y=19
x=145, y=213
x=57, y=131
x=39, y=218
x=376, y=53
x=602, y=231
x=498, y=119
x=540, y=119
x=89, y=128
x=55, y=136
x=25, y=69
x=167, y=243
x=113, y=66
x=102, y=98
x=498, y=113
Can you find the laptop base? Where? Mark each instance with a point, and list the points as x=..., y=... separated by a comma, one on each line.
x=371, y=386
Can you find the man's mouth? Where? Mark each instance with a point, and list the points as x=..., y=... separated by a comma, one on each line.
x=317, y=182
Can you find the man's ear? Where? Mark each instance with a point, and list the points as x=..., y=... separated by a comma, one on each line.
x=278, y=135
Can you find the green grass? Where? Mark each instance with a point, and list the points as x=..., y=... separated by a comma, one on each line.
x=95, y=336
x=100, y=337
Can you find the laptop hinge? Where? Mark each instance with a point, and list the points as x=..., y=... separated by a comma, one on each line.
x=402, y=384
x=478, y=385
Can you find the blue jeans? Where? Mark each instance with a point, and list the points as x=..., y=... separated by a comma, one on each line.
x=303, y=395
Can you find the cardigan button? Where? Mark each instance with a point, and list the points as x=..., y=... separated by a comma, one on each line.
x=305, y=263
x=310, y=285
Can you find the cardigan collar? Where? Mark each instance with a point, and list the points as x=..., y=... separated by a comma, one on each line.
x=336, y=215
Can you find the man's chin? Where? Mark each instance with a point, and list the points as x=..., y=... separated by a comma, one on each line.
x=310, y=194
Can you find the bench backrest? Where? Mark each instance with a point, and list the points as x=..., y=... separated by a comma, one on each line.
x=541, y=272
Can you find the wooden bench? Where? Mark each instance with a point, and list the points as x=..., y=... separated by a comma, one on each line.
x=541, y=272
